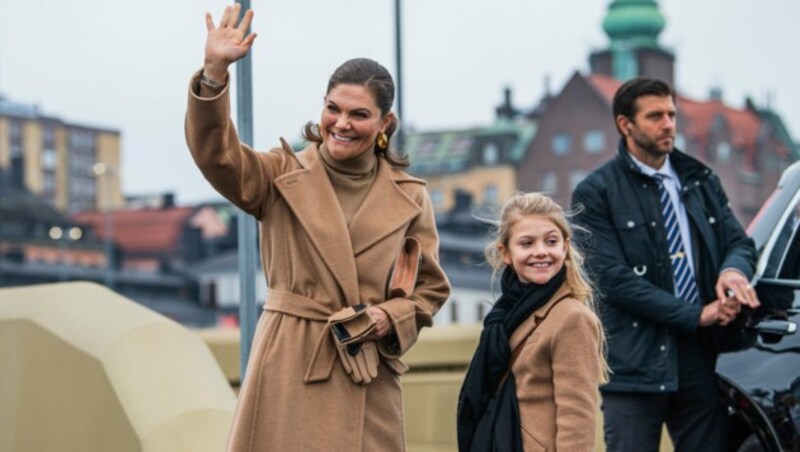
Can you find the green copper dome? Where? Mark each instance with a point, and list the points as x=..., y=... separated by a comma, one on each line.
x=633, y=23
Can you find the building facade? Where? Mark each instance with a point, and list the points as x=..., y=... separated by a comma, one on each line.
x=479, y=161
x=56, y=160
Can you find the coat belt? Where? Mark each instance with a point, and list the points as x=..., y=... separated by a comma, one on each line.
x=324, y=356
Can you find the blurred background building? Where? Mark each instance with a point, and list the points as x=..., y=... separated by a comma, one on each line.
x=53, y=158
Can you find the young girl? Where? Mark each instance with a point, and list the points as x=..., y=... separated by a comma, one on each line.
x=532, y=384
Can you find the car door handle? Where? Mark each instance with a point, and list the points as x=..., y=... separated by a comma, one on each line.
x=778, y=327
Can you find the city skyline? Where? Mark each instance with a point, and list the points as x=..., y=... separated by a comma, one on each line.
x=127, y=66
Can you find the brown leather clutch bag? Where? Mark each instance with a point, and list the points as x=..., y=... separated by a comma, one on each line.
x=403, y=276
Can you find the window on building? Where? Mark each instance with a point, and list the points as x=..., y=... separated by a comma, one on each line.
x=48, y=183
x=548, y=183
x=427, y=146
x=490, y=194
x=15, y=137
x=723, y=151
x=575, y=178
x=49, y=136
x=48, y=159
x=562, y=143
x=15, y=130
x=594, y=141
x=680, y=142
x=491, y=154
x=82, y=155
x=770, y=160
x=481, y=310
x=437, y=198
x=460, y=146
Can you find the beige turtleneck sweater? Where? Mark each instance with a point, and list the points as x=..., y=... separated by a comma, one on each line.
x=351, y=179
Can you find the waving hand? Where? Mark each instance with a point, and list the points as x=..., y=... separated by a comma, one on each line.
x=228, y=42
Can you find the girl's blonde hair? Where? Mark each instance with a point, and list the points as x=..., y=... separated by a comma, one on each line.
x=520, y=205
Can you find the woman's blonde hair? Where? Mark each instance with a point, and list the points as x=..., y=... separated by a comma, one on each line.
x=520, y=205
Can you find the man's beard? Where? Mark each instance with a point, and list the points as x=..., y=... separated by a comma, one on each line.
x=651, y=147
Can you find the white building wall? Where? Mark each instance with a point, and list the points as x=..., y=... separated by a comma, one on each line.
x=464, y=306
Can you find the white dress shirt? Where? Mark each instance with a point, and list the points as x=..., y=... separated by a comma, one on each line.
x=673, y=186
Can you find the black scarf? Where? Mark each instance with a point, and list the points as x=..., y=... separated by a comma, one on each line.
x=489, y=421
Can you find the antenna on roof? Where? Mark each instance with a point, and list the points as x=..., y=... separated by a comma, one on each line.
x=547, y=91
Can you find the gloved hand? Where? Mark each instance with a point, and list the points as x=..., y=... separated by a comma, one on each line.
x=359, y=359
x=362, y=365
x=351, y=325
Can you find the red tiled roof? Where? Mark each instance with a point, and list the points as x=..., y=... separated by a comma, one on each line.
x=140, y=231
x=743, y=124
x=605, y=85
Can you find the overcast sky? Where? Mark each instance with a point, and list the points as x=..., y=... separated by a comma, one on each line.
x=125, y=65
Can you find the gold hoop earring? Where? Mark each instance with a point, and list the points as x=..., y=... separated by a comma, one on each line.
x=383, y=141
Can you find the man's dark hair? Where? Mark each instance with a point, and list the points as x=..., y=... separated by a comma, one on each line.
x=626, y=95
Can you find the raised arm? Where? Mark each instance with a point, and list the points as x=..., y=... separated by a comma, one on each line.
x=238, y=173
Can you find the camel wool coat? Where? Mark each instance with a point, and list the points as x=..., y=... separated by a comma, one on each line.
x=557, y=375
x=296, y=395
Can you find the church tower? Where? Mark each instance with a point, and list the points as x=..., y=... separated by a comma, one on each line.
x=633, y=27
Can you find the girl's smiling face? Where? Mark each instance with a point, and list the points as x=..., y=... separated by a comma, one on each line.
x=536, y=249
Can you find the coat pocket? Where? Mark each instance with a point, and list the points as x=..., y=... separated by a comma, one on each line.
x=634, y=233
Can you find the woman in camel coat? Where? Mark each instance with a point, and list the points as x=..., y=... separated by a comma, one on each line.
x=320, y=254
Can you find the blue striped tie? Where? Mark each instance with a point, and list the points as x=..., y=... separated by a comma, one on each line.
x=685, y=284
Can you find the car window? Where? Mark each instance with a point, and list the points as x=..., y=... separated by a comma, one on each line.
x=783, y=264
x=790, y=265
x=784, y=260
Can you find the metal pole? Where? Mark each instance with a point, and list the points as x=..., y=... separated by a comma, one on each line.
x=109, y=243
x=398, y=44
x=62, y=255
x=247, y=224
x=102, y=172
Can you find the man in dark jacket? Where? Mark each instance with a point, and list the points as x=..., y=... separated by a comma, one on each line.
x=672, y=265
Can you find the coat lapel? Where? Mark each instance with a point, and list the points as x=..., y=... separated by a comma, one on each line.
x=385, y=209
x=527, y=327
x=310, y=196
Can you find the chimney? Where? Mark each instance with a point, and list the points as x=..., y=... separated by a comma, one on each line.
x=506, y=109
x=715, y=94
x=167, y=200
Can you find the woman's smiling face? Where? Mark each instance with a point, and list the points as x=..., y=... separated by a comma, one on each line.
x=351, y=121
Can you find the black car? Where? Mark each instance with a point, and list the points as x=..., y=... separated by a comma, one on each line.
x=761, y=382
